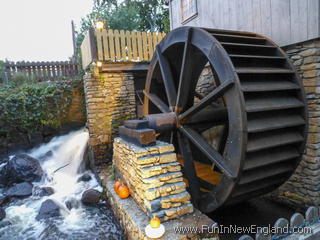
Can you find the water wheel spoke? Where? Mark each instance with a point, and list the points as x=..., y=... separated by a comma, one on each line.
x=157, y=102
x=215, y=116
x=167, y=77
x=189, y=168
x=207, y=100
x=209, y=151
x=185, y=80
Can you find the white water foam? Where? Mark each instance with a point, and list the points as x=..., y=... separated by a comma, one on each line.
x=62, y=169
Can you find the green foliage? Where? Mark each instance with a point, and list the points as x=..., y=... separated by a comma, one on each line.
x=2, y=69
x=140, y=15
x=26, y=106
x=21, y=78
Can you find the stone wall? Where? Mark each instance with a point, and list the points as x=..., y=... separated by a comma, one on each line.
x=303, y=188
x=133, y=220
x=154, y=178
x=110, y=100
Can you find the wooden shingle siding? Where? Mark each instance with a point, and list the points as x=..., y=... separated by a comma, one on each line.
x=284, y=21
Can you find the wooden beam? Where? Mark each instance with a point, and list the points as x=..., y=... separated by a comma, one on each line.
x=128, y=66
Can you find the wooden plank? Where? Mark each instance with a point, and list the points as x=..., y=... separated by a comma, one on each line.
x=150, y=47
x=266, y=24
x=140, y=46
x=244, y=16
x=145, y=46
x=155, y=40
x=224, y=8
x=129, y=45
x=313, y=18
x=99, y=45
x=233, y=15
x=106, y=51
x=111, y=45
x=217, y=15
x=280, y=11
x=256, y=16
x=123, y=46
x=299, y=20
x=117, y=45
x=134, y=45
x=85, y=53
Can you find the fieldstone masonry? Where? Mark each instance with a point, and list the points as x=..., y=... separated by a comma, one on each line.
x=154, y=178
x=303, y=188
x=110, y=100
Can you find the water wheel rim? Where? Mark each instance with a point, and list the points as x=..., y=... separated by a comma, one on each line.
x=234, y=148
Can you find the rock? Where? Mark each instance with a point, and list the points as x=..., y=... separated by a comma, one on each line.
x=310, y=52
x=23, y=167
x=90, y=196
x=48, y=209
x=84, y=178
x=5, y=224
x=4, y=159
x=45, y=191
x=5, y=178
x=3, y=200
x=20, y=190
x=46, y=156
x=72, y=203
x=2, y=214
x=298, y=62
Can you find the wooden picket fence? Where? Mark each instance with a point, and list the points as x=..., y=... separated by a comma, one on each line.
x=114, y=45
x=41, y=71
x=119, y=46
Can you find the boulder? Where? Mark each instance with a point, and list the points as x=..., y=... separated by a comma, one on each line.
x=45, y=191
x=84, y=178
x=3, y=200
x=48, y=209
x=2, y=213
x=72, y=203
x=45, y=156
x=23, y=167
x=20, y=190
x=5, y=178
x=90, y=196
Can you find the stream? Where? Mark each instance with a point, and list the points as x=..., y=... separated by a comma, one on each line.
x=62, y=162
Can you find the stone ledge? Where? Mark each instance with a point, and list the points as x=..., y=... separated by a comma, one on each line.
x=134, y=220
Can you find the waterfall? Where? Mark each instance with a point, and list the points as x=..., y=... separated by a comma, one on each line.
x=61, y=160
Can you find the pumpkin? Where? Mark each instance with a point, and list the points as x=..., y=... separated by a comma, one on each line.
x=155, y=222
x=117, y=185
x=123, y=191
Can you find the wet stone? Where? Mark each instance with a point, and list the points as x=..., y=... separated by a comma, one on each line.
x=20, y=190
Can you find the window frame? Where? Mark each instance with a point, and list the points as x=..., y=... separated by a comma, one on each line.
x=192, y=15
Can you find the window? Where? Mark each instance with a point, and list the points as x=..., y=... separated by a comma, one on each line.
x=188, y=10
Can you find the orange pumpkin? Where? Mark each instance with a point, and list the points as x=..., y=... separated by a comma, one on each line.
x=123, y=191
x=117, y=185
x=155, y=222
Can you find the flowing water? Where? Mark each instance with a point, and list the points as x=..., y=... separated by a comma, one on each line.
x=62, y=161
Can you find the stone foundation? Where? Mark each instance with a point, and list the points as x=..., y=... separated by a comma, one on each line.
x=133, y=220
x=303, y=188
x=110, y=100
x=154, y=178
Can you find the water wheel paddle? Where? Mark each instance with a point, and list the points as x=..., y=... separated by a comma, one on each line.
x=246, y=136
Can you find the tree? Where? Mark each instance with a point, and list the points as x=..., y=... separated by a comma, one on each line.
x=140, y=15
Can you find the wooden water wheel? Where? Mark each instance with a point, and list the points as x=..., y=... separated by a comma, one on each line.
x=255, y=112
